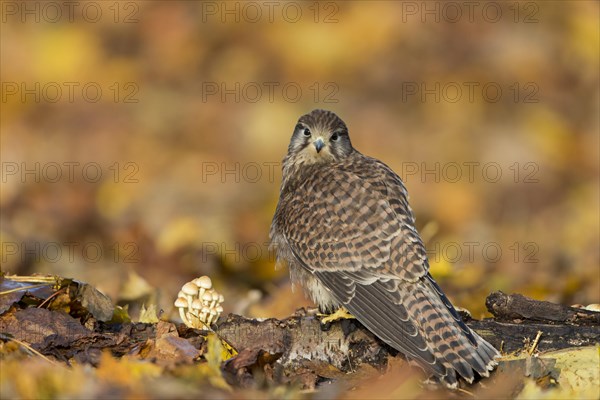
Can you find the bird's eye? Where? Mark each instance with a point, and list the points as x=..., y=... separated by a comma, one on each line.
x=306, y=132
x=335, y=137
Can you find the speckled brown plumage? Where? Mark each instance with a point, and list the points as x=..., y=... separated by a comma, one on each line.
x=344, y=226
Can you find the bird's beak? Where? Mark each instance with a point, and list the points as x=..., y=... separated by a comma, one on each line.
x=319, y=144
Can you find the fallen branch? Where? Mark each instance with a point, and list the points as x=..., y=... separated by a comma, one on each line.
x=517, y=306
x=302, y=337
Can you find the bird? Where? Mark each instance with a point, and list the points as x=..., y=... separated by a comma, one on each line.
x=344, y=227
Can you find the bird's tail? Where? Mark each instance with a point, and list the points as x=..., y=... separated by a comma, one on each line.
x=456, y=348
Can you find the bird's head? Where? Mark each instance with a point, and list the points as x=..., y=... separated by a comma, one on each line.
x=319, y=136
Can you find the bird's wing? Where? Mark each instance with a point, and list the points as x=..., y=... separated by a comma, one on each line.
x=352, y=227
x=358, y=221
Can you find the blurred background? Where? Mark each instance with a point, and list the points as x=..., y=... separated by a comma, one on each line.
x=141, y=142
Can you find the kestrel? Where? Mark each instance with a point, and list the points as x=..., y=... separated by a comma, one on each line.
x=344, y=226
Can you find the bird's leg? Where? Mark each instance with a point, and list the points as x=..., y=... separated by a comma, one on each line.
x=313, y=311
x=340, y=313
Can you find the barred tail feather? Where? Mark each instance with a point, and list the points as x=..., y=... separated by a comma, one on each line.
x=454, y=345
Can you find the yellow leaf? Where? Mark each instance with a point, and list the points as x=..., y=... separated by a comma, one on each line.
x=216, y=353
x=148, y=315
x=120, y=315
x=579, y=375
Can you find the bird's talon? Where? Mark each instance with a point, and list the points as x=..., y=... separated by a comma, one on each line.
x=341, y=313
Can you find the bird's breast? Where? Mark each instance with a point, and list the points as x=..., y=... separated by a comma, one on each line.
x=313, y=288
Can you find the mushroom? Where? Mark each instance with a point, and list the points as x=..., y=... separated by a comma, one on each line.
x=219, y=311
x=196, y=309
x=211, y=316
x=203, y=314
x=181, y=303
x=189, y=290
x=199, y=303
x=197, y=306
x=207, y=298
x=204, y=283
x=215, y=298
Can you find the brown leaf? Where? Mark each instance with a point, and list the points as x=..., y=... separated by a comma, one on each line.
x=34, y=325
x=242, y=370
x=164, y=329
x=99, y=305
x=9, y=298
x=171, y=350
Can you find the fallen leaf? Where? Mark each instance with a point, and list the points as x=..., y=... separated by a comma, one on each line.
x=34, y=325
x=148, y=315
x=99, y=305
x=171, y=350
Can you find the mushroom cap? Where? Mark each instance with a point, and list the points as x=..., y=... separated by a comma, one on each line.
x=203, y=282
x=207, y=296
x=189, y=288
x=215, y=296
x=181, y=302
x=197, y=304
x=221, y=298
x=205, y=310
x=593, y=307
x=219, y=309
